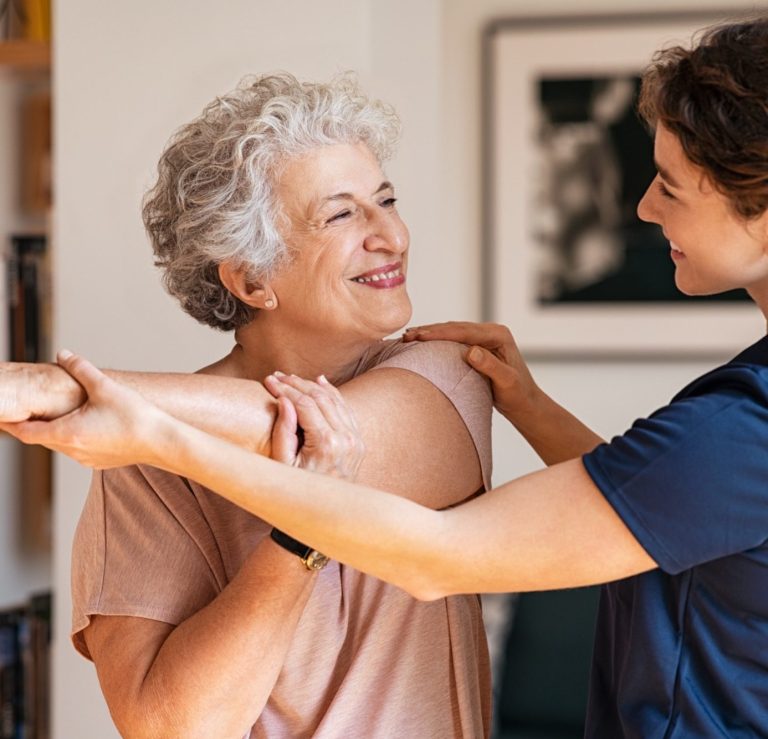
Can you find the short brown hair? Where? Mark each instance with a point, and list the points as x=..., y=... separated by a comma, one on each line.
x=714, y=98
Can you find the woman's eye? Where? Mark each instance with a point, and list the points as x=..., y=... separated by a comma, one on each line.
x=388, y=202
x=339, y=216
x=664, y=192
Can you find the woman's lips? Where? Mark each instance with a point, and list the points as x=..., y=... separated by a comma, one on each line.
x=675, y=253
x=390, y=275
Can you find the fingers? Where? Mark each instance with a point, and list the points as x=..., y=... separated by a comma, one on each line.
x=285, y=441
x=32, y=432
x=332, y=444
x=492, y=336
x=318, y=404
x=488, y=364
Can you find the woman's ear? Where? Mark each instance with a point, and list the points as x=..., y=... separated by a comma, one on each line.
x=254, y=294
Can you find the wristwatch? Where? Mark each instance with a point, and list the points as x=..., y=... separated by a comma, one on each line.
x=312, y=559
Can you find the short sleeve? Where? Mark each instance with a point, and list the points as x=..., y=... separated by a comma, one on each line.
x=142, y=548
x=691, y=481
x=442, y=364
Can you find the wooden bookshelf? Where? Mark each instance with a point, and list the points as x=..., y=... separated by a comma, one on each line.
x=25, y=55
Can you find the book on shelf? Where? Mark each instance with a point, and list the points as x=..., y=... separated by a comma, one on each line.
x=25, y=637
x=28, y=296
x=26, y=19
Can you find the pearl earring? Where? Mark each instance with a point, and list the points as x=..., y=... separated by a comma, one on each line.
x=269, y=303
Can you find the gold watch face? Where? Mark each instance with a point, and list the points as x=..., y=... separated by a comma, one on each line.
x=315, y=560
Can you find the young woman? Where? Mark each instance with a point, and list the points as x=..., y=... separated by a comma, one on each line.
x=673, y=514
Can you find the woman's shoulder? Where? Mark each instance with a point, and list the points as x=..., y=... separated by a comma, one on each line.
x=443, y=357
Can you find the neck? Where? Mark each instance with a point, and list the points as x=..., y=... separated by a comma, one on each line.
x=759, y=293
x=262, y=347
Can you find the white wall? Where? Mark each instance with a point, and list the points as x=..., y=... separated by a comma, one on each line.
x=128, y=73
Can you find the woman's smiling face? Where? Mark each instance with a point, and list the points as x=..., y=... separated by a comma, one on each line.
x=713, y=248
x=349, y=247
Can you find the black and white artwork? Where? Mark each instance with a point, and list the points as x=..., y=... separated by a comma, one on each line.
x=570, y=266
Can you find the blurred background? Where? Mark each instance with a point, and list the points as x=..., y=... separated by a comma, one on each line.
x=89, y=93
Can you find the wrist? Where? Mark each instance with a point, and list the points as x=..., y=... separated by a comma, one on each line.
x=309, y=557
x=527, y=407
x=161, y=441
x=50, y=391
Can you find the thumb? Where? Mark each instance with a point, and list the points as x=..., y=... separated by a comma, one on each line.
x=488, y=364
x=285, y=442
x=81, y=370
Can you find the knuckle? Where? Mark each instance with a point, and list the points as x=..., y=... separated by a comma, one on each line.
x=305, y=401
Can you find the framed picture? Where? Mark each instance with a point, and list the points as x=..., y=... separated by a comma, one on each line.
x=568, y=265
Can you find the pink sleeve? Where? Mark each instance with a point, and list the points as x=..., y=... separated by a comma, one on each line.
x=442, y=363
x=142, y=548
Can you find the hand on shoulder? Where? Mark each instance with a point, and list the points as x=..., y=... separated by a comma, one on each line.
x=494, y=353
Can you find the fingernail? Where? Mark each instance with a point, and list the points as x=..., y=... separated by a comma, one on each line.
x=323, y=379
x=64, y=354
x=278, y=373
x=475, y=354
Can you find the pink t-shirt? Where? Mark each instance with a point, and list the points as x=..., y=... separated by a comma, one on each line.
x=366, y=660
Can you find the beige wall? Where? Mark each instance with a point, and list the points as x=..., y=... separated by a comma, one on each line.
x=128, y=73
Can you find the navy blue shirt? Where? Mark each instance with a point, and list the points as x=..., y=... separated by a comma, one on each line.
x=682, y=651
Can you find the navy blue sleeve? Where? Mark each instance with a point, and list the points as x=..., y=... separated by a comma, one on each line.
x=691, y=481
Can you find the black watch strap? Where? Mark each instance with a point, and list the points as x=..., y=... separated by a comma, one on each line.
x=289, y=543
x=311, y=558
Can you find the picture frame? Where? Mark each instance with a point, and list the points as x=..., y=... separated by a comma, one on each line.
x=567, y=265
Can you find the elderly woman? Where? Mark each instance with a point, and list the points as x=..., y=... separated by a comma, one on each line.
x=272, y=217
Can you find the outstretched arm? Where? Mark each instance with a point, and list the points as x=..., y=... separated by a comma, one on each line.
x=401, y=417
x=241, y=411
x=554, y=433
x=550, y=529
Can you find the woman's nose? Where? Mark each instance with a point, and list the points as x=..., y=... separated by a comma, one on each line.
x=646, y=208
x=386, y=233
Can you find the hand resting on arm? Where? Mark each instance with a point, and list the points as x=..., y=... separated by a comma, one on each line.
x=555, y=434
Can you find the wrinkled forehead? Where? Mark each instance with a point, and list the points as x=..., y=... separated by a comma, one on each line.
x=325, y=172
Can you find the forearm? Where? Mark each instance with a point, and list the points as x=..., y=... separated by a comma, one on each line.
x=241, y=411
x=554, y=433
x=214, y=673
x=550, y=529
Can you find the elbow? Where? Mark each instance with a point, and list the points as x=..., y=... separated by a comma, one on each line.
x=427, y=594
x=425, y=589
x=138, y=728
x=144, y=721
